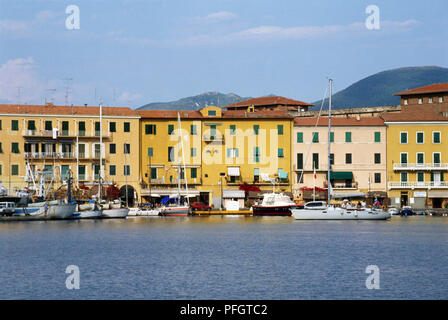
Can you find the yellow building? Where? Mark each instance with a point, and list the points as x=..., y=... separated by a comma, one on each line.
x=62, y=139
x=417, y=149
x=222, y=149
x=358, y=157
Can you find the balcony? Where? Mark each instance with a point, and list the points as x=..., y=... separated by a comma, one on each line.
x=420, y=166
x=322, y=167
x=50, y=155
x=418, y=185
x=343, y=185
x=211, y=138
x=64, y=134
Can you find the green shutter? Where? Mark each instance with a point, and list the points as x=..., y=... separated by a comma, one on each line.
x=48, y=125
x=14, y=125
x=112, y=170
x=436, y=137
x=153, y=173
x=194, y=173
x=127, y=127
x=348, y=137
x=147, y=128
x=150, y=152
x=232, y=129
x=193, y=130
x=420, y=137
x=280, y=153
x=315, y=137
x=299, y=137
x=331, y=136
x=170, y=128
x=256, y=129
x=377, y=136
x=404, y=137
x=280, y=129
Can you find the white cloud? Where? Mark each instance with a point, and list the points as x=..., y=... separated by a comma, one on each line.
x=217, y=17
x=8, y=25
x=127, y=97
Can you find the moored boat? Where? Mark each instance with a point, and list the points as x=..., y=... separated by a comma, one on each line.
x=274, y=204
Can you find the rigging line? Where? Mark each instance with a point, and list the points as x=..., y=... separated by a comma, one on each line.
x=315, y=126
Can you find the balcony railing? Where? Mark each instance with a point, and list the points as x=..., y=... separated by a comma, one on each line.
x=50, y=155
x=309, y=167
x=210, y=138
x=420, y=166
x=342, y=185
x=417, y=184
x=65, y=133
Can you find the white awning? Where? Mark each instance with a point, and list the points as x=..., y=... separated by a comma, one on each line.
x=233, y=171
x=437, y=194
x=233, y=194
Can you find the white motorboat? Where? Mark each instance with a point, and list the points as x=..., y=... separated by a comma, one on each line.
x=274, y=204
x=87, y=211
x=137, y=212
x=50, y=209
x=115, y=213
x=319, y=210
x=176, y=210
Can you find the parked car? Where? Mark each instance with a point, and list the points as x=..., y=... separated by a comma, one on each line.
x=201, y=206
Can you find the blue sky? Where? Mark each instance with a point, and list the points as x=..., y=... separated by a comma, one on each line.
x=133, y=52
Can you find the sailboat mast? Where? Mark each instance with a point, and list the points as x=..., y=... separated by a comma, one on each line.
x=179, y=167
x=101, y=151
x=330, y=81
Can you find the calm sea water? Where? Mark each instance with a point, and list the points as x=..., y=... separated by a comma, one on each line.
x=225, y=258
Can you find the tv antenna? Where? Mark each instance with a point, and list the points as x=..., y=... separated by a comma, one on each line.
x=67, y=89
x=51, y=98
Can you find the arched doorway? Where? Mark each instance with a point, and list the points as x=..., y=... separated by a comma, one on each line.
x=130, y=192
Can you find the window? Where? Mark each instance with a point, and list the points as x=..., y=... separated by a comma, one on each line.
x=299, y=178
x=420, y=100
x=170, y=128
x=331, y=158
x=150, y=129
x=420, y=158
x=153, y=173
x=331, y=136
x=112, y=148
x=193, y=129
x=232, y=152
x=193, y=173
x=403, y=157
x=97, y=129
x=430, y=100
x=436, y=137
x=280, y=129
x=65, y=128
x=82, y=128
x=127, y=127
x=150, y=152
x=96, y=171
x=377, y=158
x=348, y=158
x=127, y=170
x=348, y=137
x=404, y=177
x=0, y=169
x=256, y=174
x=193, y=152
x=256, y=129
x=420, y=137
x=420, y=176
x=97, y=150
x=211, y=113
x=377, y=177
x=299, y=137
x=440, y=99
x=403, y=137
x=377, y=136
x=170, y=154
x=315, y=160
x=112, y=170
x=436, y=158
x=1, y=149
x=0, y=124
x=300, y=161
x=32, y=125
x=48, y=125
x=112, y=127
x=14, y=169
x=82, y=172
x=232, y=129
x=127, y=148
x=280, y=153
x=15, y=147
x=256, y=154
x=14, y=125
x=315, y=137
x=65, y=172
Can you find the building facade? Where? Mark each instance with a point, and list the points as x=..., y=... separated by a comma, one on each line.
x=57, y=140
x=358, y=157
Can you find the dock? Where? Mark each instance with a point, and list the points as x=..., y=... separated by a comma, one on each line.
x=222, y=213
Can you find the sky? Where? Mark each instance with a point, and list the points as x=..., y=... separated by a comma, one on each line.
x=133, y=52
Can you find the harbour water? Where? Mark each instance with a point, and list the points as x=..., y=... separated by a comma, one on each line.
x=225, y=258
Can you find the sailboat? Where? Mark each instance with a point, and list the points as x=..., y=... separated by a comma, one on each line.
x=178, y=209
x=319, y=210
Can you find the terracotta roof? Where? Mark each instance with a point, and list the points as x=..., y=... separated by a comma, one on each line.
x=413, y=116
x=169, y=114
x=432, y=88
x=65, y=110
x=268, y=101
x=339, y=121
x=260, y=114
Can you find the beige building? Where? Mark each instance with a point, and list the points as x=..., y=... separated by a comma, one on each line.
x=358, y=157
x=56, y=140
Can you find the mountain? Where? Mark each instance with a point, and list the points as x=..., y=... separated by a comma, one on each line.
x=196, y=102
x=378, y=89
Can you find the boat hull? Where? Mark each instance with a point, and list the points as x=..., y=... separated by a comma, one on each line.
x=272, y=210
x=175, y=211
x=88, y=214
x=339, y=214
x=115, y=213
x=61, y=211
